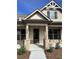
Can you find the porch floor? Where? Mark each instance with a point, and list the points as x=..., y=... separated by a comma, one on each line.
x=37, y=52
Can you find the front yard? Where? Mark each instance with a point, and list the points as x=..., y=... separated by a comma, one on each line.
x=56, y=54
x=22, y=53
x=24, y=56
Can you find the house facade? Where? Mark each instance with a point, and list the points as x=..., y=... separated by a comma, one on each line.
x=42, y=27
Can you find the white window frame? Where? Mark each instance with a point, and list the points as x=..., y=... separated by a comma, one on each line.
x=53, y=37
x=55, y=14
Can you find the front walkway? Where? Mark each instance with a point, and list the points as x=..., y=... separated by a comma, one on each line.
x=37, y=52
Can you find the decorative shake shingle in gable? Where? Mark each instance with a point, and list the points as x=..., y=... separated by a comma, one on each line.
x=37, y=15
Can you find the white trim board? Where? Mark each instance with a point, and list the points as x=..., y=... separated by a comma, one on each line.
x=35, y=12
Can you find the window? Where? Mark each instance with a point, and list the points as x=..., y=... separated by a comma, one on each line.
x=54, y=34
x=50, y=34
x=21, y=34
x=18, y=34
x=52, y=14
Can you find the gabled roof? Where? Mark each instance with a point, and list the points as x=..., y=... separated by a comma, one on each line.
x=50, y=3
x=39, y=13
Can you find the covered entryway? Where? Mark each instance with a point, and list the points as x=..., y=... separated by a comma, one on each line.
x=37, y=33
x=34, y=34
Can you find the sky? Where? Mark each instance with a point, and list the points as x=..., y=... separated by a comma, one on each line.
x=28, y=6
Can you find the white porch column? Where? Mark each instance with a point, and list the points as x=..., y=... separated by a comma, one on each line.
x=27, y=40
x=46, y=37
x=46, y=32
x=27, y=32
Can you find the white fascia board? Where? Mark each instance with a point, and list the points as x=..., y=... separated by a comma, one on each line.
x=35, y=12
x=30, y=15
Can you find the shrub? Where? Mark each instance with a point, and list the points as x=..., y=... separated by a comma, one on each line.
x=22, y=50
x=57, y=46
x=50, y=49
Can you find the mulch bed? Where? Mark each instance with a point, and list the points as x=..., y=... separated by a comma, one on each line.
x=56, y=54
x=24, y=56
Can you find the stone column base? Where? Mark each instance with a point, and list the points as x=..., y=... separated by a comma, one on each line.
x=46, y=44
x=27, y=44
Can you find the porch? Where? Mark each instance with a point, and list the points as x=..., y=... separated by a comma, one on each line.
x=39, y=34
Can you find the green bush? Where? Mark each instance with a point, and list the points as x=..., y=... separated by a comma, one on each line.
x=50, y=49
x=57, y=46
x=22, y=50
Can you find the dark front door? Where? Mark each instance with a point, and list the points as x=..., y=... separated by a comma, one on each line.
x=35, y=35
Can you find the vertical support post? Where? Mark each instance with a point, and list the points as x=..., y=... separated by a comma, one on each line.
x=46, y=32
x=27, y=41
x=46, y=38
x=27, y=32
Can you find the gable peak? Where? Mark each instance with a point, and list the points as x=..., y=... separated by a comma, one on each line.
x=37, y=13
x=51, y=4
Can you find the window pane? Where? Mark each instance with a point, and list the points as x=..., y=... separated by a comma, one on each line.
x=22, y=31
x=55, y=15
x=21, y=34
x=18, y=32
x=18, y=37
x=50, y=34
x=23, y=37
x=52, y=14
x=57, y=34
x=54, y=34
x=50, y=31
x=55, y=31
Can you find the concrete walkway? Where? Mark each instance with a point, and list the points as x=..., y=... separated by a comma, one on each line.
x=37, y=52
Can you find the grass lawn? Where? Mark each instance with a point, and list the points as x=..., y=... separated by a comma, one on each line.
x=24, y=56
x=56, y=54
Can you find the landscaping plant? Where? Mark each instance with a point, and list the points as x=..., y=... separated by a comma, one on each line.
x=57, y=45
x=50, y=49
x=21, y=51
